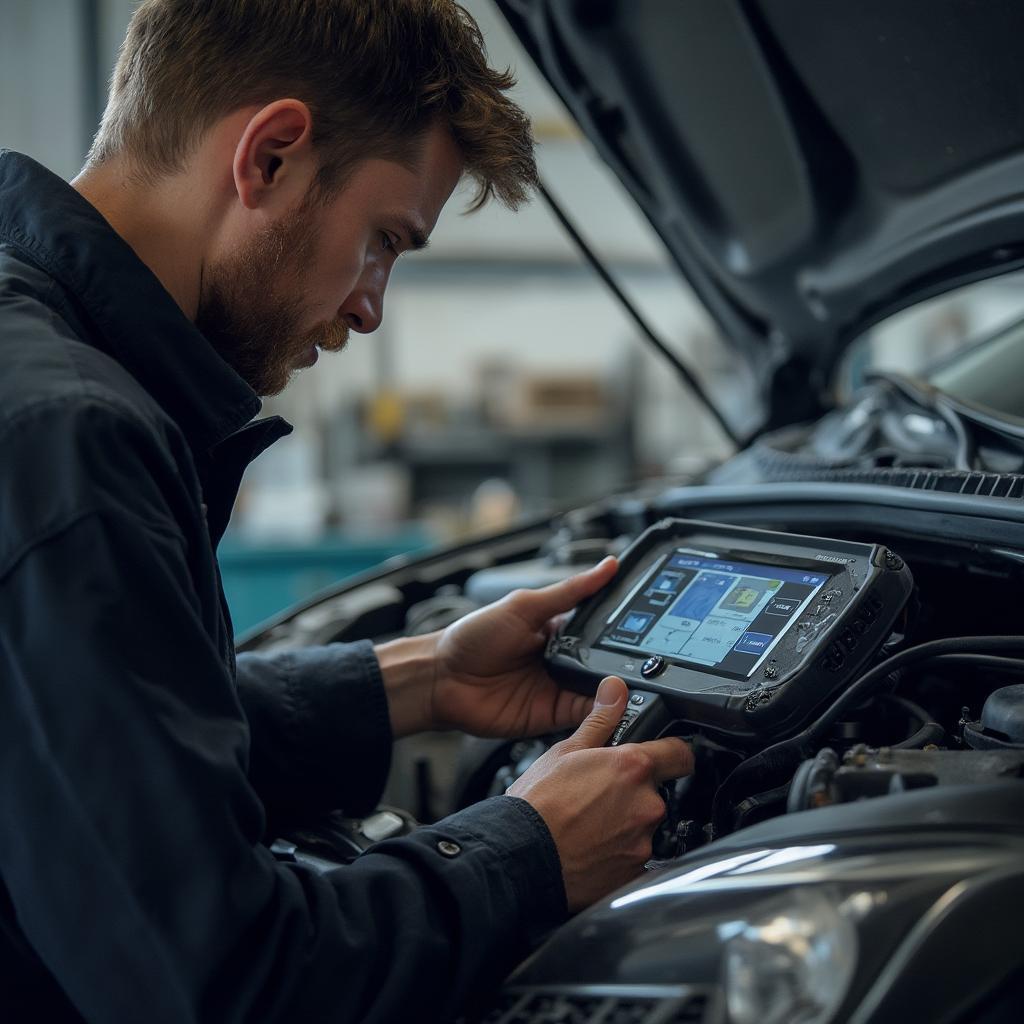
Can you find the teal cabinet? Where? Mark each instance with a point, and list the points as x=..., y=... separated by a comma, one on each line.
x=263, y=579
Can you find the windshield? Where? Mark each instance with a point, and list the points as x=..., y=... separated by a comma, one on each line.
x=969, y=343
x=989, y=373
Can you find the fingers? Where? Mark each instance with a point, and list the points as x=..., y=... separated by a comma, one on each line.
x=597, y=728
x=571, y=709
x=541, y=605
x=671, y=758
x=666, y=759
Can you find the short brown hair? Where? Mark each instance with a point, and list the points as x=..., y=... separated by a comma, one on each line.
x=374, y=73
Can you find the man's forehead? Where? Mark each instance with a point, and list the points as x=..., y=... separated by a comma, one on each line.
x=409, y=197
x=441, y=167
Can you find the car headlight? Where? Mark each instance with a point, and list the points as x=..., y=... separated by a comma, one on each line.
x=802, y=933
x=793, y=963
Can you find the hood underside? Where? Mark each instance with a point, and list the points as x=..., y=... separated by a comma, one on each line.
x=812, y=165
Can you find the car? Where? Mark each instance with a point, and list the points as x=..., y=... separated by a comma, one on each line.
x=832, y=614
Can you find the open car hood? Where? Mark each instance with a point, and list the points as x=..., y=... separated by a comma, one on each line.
x=812, y=166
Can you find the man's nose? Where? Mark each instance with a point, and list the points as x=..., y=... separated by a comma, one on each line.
x=363, y=310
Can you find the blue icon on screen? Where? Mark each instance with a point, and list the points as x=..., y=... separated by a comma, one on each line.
x=701, y=596
x=753, y=643
x=635, y=622
x=667, y=581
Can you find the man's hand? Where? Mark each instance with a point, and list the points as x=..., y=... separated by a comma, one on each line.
x=490, y=676
x=601, y=803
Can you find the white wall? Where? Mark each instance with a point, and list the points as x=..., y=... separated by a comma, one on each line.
x=42, y=101
x=441, y=321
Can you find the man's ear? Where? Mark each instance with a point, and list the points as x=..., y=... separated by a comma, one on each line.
x=274, y=157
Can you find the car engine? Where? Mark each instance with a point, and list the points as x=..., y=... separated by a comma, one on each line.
x=955, y=716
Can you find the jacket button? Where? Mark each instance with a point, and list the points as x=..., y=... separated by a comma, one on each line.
x=448, y=848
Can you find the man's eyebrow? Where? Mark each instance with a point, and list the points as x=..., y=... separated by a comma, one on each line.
x=417, y=237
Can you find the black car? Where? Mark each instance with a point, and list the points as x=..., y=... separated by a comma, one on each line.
x=832, y=615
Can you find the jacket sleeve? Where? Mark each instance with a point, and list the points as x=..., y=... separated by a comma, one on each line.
x=320, y=727
x=131, y=842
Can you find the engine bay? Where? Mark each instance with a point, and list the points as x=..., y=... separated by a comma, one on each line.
x=934, y=700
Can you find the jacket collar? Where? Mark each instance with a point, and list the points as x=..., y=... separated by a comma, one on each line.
x=129, y=313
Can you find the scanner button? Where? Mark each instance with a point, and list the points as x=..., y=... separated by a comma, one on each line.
x=652, y=667
x=624, y=723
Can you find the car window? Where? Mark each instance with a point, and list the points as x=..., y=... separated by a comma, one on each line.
x=947, y=340
x=989, y=373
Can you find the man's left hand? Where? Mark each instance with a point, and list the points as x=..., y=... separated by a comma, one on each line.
x=490, y=677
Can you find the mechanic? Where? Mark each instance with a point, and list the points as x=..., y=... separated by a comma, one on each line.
x=260, y=166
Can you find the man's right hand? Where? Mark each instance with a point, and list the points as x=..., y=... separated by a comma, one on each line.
x=601, y=803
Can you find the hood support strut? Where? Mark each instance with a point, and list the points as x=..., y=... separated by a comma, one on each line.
x=683, y=371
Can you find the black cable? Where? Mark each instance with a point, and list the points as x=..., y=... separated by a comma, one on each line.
x=602, y=272
x=930, y=732
x=990, y=661
x=934, y=649
x=911, y=709
x=757, y=802
x=787, y=754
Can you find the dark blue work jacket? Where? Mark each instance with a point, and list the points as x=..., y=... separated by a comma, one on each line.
x=138, y=763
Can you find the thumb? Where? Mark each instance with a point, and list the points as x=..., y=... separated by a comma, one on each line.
x=538, y=606
x=596, y=729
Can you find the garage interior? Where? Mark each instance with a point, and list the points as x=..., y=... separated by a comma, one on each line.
x=505, y=382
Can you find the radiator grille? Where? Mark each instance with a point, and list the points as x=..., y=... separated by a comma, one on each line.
x=584, y=1007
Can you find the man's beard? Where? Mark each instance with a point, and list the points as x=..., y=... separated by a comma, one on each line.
x=246, y=316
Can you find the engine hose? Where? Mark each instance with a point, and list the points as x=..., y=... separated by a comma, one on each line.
x=1013, y=666
x=930, y=732
x=786, y=755
x=908, y=707
x=753, y=807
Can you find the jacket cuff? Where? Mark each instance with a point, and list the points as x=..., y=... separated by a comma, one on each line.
x=520, y=841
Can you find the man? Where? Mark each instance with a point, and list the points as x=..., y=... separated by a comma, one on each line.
x=260, y=166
